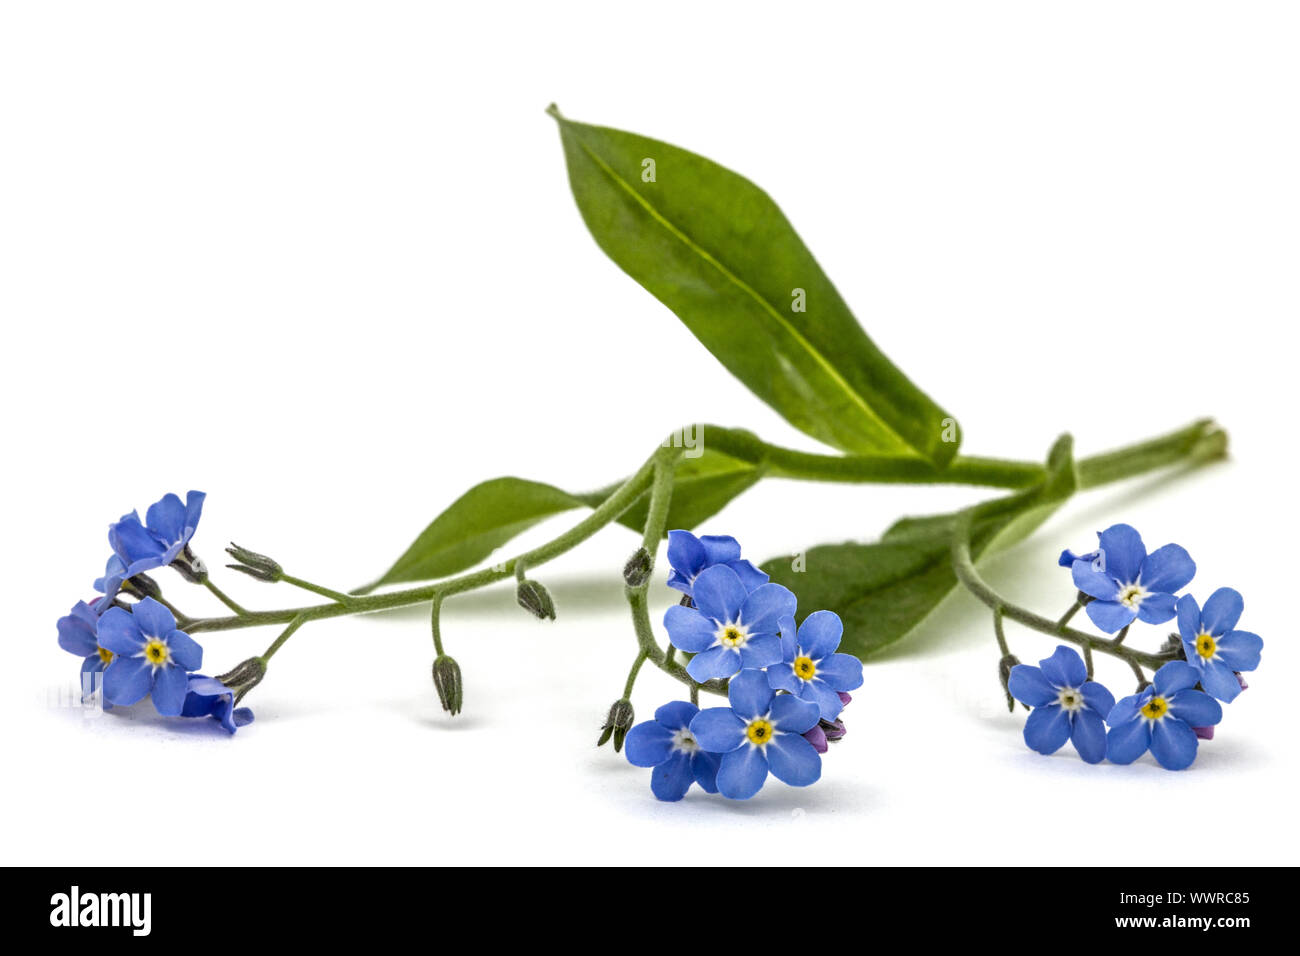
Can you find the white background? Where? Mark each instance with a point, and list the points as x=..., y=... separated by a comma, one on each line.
x=321, y=261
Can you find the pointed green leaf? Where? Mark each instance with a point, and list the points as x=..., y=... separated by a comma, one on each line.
x=475, y=525
x=883, y=591
x=715, y=249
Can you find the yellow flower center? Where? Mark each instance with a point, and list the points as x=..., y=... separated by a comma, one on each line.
x=732, y=636
x=759, y=731
x=155, y=652
x=1131, y=595
x=804, y=668
x=105, y=655
x=1206, y=646
x=1155, y=708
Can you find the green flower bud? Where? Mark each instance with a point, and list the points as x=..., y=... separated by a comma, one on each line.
x=637, y=570
x=244, y=677
x=1004, y=675
x=253, y=564
x=617, y=724
x=447, y=682
x=534, y=599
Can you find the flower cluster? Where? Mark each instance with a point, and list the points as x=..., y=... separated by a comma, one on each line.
x=787, y=683
x=1121, y=583
x=128, y=638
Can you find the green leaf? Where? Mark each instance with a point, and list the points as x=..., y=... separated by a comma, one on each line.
x=475, y=525
x=715, y=249
x=883, y=591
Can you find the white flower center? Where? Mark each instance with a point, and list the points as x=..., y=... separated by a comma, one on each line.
x=1131, y=595
x=684, y=741
x=1070, y=699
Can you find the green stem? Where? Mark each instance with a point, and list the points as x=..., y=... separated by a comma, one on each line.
x=435, y=623
x=287, y=633
x=222, y=596
x=336, y=596
x=631, y=675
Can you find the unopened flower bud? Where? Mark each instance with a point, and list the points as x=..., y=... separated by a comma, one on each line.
x=617, y=723
x=833, y=729
x=253, y=564
x=535, y=599
x=190, y=566
x=1172, y=647
x=1204, y=733
x=244, y=677
x=447, y=682
x=142, y=586
x=637, y=570
x=1004, y=675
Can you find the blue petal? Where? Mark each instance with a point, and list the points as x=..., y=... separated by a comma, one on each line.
x=1222, y=611
x=166, y=518
x=185, y=651
x=1189, y=618
x=685, y=553
x=1168, y=569
x=820, y=693
x=793, y=715
x=169, y=688
x=765, y=606
x=1196, y=708
x=243, y=716
x=1099, y=584
x=679, y=581
x=782, y=677
x=670, y=780
x=749, y=575
x=1175, y=676
x=1129, y=740
x=720, y=548
x=119, y=633
x=718, y=730
x=717, y=663
x=841, y=671
x=1047, y=729
x=742, y=773
x=750, y=694
x=648, y=744
x=820, y=634
x=677, y=714
x=1065, y=668
x=1089, y=736
x=1157, y=608
x=93, y=664
x=1127, y=708
x=761, y=651
x=127, y=680
x=1098, y=698
x=1029, y=686
x=1173, y=744
x=793, y=760
x=193, y=511
x=1240, y=650
x=153, y=619
x=719, y=594
x=133, y=543
x=76, y=636
x=1219, y=681
x=689, y=630
x=705, y=767
x=789, y=639
x=1110, y=616
x=1122, y=547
